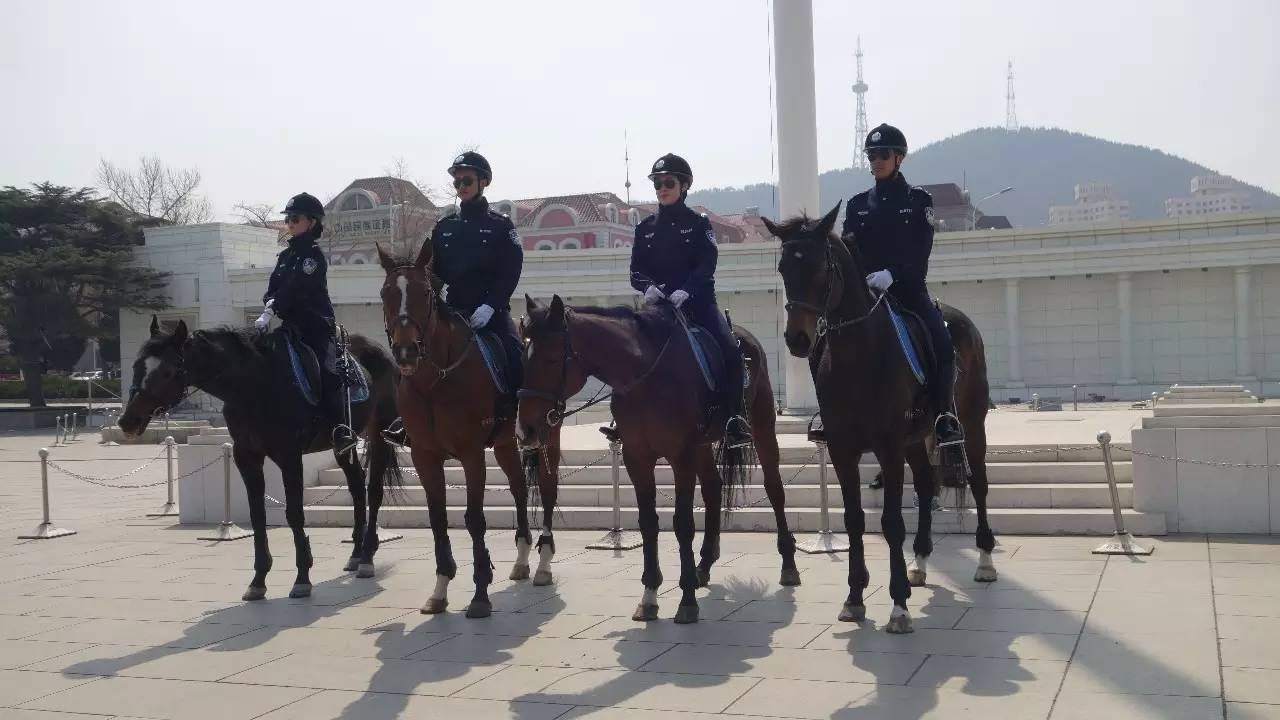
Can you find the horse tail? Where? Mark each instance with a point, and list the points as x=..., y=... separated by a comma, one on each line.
x=735, y=465
x=383, y=387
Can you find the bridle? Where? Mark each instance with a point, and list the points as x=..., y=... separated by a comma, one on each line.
x=825, y=324
x=404, y=319
x=559, y=403
x=182, y=378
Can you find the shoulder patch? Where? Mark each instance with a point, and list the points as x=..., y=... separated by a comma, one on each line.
x=711, y=235
x=309, y=265
x=515, y=237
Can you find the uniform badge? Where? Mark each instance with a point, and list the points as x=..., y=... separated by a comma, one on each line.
x=459, y=160
x=658, y=165
x=875, y=136
x=515, y=238
x=309, y=265
x=711, y=236
x=928, y=215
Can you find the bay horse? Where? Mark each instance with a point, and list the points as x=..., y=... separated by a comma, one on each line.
x=871, y=401
x=268, y=417
x=659, y=397
x=449, y=406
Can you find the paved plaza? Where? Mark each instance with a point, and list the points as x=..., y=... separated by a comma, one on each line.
x=136, y=617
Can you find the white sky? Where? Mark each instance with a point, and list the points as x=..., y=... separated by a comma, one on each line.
x=271, y=98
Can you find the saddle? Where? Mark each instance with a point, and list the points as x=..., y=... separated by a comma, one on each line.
x=305, y=369
x=495, y=359
x=706, y=351
x=914, y=339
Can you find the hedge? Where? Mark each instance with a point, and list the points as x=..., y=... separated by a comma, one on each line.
x=58, y=387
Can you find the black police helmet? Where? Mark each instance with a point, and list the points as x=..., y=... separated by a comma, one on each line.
x=475, y=161
x=887, y=136
x=304, y=204
x=671, y=164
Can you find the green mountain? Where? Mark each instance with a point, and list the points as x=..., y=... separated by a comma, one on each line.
x=1042, y=164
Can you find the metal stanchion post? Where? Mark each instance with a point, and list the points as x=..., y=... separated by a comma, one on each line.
x=227, y=530
x=46, y=529
x=826, y=541
x=75, y=426
x=1035, y=402
x=1075, y=397
x=170, y=508
x=1121, y=543
x=617, y=538
x=1154, y=398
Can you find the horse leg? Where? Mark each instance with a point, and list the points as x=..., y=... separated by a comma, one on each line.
x=509, y=461
x=923, y=479
x=895, y=533
x=431, y=474
x=685, y=478
x=249, y=463
x=381, y=457
x=291, y=473
x=355, y=484
x=640, y=470
x=763, y=432
x=976, y=448
x=845, y=463
x=548, y=481
x=712, y=492
x=482, y=565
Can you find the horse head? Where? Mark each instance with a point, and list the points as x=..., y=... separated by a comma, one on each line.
x=810, y=276
x=159, y=378
x=551, y=376
x=409, y=299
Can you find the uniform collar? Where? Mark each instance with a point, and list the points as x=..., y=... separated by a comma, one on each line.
x=894, y=187
x=302, y=240
x=673, y=211
x=474, y=208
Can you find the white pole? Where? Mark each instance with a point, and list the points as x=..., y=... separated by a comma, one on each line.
x=1121, y=542
x=826, y=541
x=617, y=538
x=227, y=530
x=45, y=530
x=170, y=508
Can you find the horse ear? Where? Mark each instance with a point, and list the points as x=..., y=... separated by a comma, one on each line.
x=773, y=229
x=180, y=332
x=529, y=304
x=557, y=310
x=388, y=262
x=424, y=255
x=155, y=326
x=828, y=221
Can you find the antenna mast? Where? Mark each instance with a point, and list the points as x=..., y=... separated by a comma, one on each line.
x=860, y=121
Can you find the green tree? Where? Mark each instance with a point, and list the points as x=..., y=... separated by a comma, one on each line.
x=66, y=271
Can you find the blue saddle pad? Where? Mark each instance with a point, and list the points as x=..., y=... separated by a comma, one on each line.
x=495, y=358
x=707, y=353
x=908, y=346
x=309, y=385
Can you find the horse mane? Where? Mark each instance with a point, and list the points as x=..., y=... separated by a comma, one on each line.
x=654, y=323
x=800, y=223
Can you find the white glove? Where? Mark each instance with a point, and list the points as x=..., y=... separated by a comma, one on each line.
x=880, y=280
x=481, y=317
x=264, y=320
x=653, y=295
x=678, y=297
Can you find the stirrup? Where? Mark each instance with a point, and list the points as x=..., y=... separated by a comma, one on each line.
x=958, y=438
x=737, y=433
x=395, y=434
x=612, y=433
x=344, y=441
x=817, y=431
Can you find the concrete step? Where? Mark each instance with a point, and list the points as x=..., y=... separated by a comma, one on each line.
x=799, y=496
x=1018, y=521
x=1033, y=473
x=1209, y=400
x=1234, y=410
x=1212, y=421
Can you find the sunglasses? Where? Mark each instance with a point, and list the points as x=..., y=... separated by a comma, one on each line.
x=879, y=154
x=462, y=182
x=292, y=219
x=667, y=183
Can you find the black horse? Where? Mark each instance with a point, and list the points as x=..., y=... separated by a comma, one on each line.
x=268, y=417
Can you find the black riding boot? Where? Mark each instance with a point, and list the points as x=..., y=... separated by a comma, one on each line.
x=946, y=428
x=737, y=430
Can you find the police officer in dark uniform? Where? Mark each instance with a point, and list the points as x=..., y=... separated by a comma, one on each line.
x=892, y=226
x=298, y=293
x=479, y=256
x=673, y=259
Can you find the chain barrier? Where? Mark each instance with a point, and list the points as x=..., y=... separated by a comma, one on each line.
x=760, y=499
x=108, y=482
x=1210, y=463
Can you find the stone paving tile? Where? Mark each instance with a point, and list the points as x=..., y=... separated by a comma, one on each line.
x=117, y=609
x=386, y=642
x=1028, y=599
x=989, y=676
x=141, y=632
x=1256, y=606
x=17, y=714
x=553, y=652
x=1156, y=664
x=593, y=713
x=17, y=653
x=796, y=698
x=510, y=682
x=1247, y=586
x=271, y=613
x=827, y=613
x=20, y=686
x=1250, y=711
x=176, y=699
x=787, y=663
x=1103, y=706
x=1254, y=652
x=1252, y=685
x=16, y=627
x=647, y=690
x=706, y=632
x=345, y=704
x=413, y=677
x=164, y=663
x=966, y=643
x=1015, y=620
x=1261, y=628
x=614, y=604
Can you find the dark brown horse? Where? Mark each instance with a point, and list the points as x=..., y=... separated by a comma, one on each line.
x=449, y=405
x=659, y=401
x=870, y=401
x=268, y=418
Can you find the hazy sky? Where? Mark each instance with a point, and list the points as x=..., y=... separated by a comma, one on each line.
x=271, y=98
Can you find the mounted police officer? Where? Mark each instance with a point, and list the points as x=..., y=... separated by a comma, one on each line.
x=673, y=259
x=298, y=293
x=479, y=256
x=892, y=227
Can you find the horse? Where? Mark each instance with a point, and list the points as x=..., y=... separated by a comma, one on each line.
x=268, y=417
x=871, y=401
x=450, y=405
x=659, y=398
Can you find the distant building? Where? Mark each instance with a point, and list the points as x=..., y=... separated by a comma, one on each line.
x=1210, y=195
x=386, y=210
x=749, y=223
x=1094, y=203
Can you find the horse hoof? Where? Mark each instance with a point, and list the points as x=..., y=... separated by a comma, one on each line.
x=352, y=563
x=645, y=613
x=365, y=570
x=479, y=609
x=435, y=606
x=519, y=572
x=985, y=575
x=686, y=614
x=300, y=590
x=916, y=577
x=790, y=577
x=254, y=593
x=704, y=577
x=853, y=613
x=899, y=625
x=542, y=578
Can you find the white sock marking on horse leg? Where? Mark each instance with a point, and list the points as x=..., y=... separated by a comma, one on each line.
x=898, y=612
x=545, y=553
x=984, y=561
x=650, y=597
x=522, y=551
x=442, y=588
x=922, y=563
